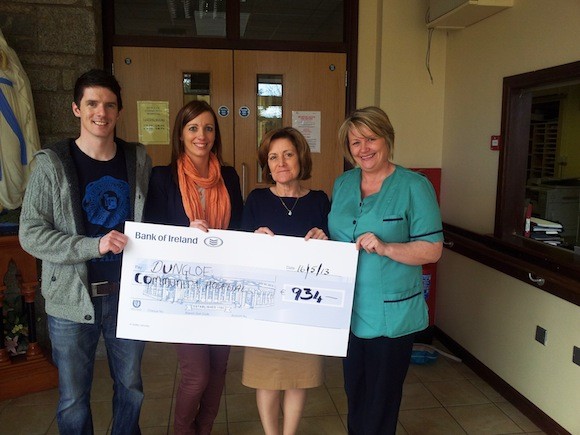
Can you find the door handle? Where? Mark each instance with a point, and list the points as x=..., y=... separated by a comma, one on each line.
x=244, y=180
x=536, y=280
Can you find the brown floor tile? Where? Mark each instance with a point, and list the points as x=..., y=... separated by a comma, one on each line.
x=48, y=397
x=401, y=430
x=172, y=413
x=461, y=392
x=158, y=387
x=434, y=421
x=411, y=377
x=333, y=372
x=222, y=412
x=440, y=370
x=160, y=430
x=324, y=425
x=159, y=367
x=155, y=412
x=344, y=418
x=102, y=414
x=4, y=404
x=234, y=383
x=318, y=403
x=520, y=419
x=486, y=389
x=155, y=350
x=176, y=384
x=236, y=359
x=485, y=419
x=219, y=429
x=102, y=390
x=338, y=397
x=101, y=369
x=245, y=428
x=241, y=407
x=463, y=369
x=53, y=429
x=159, y=359
x=27, y=420
x=416, y=396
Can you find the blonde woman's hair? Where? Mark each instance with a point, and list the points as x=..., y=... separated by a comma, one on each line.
x=373, y=118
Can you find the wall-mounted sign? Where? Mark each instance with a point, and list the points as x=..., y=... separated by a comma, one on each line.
x=153, y=122
x=308, y=123
x=244, y=111
x=223, y=111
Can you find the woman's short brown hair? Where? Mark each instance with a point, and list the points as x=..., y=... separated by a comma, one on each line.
x=299, y=142
x=373, y=118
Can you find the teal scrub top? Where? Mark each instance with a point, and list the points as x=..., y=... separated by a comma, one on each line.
x=388, y=297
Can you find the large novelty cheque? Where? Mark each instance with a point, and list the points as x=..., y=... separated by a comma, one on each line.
x=182, y=285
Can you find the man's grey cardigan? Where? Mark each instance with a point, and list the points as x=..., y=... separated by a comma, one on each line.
x=52, y=226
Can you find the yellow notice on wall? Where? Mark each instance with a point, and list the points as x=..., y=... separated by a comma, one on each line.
x=153, y=122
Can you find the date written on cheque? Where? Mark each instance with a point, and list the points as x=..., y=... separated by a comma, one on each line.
x=322, y=296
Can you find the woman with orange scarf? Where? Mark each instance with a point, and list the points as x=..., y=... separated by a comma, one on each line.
x=196, y=190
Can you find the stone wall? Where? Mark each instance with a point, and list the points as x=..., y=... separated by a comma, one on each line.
x=56, y=41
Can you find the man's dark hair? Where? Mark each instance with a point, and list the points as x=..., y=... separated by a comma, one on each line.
x=97, y=78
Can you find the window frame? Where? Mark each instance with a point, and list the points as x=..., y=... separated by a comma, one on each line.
x=515, y=125
x=558, y=270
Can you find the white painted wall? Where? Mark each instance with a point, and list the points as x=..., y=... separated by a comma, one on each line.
x=494, y=317
x=393, y=43
x=489, y=313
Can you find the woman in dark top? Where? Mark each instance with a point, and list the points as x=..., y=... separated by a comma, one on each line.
x=164, y=205
x=286, y=208
x=196, y=191
x=265, y=209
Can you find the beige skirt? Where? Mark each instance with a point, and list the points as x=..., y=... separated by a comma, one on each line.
x=270, y=369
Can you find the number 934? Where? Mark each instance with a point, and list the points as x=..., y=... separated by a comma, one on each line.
x=306, y=294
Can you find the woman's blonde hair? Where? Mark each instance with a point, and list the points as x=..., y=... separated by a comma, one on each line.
x=373, y=118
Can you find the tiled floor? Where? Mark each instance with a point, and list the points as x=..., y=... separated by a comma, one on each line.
x=444, y=397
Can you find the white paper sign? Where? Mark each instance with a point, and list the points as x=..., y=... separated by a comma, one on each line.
x=308, y=123
x=182, y=285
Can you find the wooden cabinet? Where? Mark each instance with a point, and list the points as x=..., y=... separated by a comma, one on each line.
x=33, y=371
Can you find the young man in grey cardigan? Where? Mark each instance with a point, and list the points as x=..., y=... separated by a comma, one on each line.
x=79, y=195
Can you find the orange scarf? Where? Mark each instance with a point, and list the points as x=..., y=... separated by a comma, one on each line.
x=217, y=200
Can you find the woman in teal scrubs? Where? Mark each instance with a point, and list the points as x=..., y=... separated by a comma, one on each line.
x=392, y=216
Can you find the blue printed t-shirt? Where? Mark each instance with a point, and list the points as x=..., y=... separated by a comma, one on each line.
x=388, y=299
x=106, y=204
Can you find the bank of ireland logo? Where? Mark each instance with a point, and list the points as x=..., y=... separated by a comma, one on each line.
x=213, y=242
x=136, y=303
